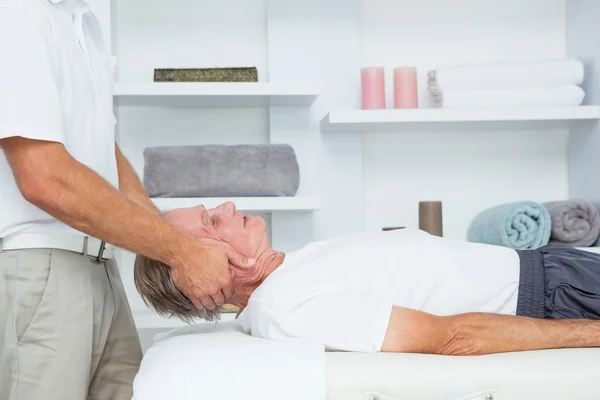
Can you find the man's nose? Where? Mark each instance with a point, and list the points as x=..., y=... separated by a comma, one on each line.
x=229, y=208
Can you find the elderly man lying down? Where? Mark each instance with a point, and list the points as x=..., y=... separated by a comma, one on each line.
x=402, y=291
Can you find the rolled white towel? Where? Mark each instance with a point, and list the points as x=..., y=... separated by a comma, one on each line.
x=563, y=96
x=507, y=76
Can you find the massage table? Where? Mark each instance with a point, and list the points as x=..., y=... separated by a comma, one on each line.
x=221, y=362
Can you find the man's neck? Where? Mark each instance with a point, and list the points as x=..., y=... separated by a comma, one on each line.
x=247, y=280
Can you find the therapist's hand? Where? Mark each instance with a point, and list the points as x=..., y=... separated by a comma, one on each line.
x=204, y=277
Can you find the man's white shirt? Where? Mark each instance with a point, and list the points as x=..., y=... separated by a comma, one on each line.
x=341, y=292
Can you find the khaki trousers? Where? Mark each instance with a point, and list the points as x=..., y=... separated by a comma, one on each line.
x=66, y=330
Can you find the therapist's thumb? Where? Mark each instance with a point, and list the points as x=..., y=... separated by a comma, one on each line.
x=239, y=260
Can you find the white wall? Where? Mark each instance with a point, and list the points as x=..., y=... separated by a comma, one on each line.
x=318, y=42
x=469, y=169
x=583, y=41
x=366, y=182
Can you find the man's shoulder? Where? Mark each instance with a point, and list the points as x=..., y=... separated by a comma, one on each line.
x=264, y=294
x=271, y=292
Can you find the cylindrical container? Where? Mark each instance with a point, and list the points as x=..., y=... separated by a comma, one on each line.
x=430, y=217
x=373, y=88
x=405, y=88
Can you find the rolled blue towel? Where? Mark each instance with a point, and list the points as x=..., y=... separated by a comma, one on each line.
x=520, y=226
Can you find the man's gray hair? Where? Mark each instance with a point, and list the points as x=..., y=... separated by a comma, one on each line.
x=153, y=282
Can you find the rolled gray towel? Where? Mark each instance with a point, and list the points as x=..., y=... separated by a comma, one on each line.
x=221, y=171
x=574, y=222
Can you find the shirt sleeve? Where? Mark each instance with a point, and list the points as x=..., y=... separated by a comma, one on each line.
x=342, y=321
x=30, y=100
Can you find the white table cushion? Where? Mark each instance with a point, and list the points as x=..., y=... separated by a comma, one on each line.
x=554, y=374
x=228, y=364
x=204, y=361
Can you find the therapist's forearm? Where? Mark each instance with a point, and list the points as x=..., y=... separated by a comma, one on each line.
x=130, y=184
x=477, y=334
x=54, y=181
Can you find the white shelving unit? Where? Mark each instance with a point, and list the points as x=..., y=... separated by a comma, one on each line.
x=262, y=204
x=258, y=94
x=394, y=120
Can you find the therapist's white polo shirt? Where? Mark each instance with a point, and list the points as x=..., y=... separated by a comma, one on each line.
x=55, y=85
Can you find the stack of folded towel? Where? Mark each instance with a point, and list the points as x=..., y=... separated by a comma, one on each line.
x=530, y=225
x=221, y=171
x=534, y=84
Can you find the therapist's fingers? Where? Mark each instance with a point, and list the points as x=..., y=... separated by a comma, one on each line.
x=227, y=289
x=196, y=301
x=208, y=303
x=239, y=260
x=218, y=299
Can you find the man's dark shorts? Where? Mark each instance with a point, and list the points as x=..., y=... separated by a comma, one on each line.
x=559, y=282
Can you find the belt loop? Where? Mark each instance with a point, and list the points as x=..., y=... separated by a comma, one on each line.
x=85, y=246
x=101, y=251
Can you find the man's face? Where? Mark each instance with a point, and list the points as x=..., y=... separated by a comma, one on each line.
x=245, y=234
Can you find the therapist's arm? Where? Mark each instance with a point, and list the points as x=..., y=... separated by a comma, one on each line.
x=51, y=179
x=412, y=331
x=130, y=184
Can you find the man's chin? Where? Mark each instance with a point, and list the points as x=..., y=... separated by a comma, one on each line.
x=256, y=223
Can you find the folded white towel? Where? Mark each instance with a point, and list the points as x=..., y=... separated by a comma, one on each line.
x=507, y=76
x=562, y=96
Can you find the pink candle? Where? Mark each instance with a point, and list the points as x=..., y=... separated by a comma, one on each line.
x=373, y=88
x=405, y=88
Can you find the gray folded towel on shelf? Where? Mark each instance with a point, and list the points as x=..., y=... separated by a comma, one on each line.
x=574, y=222
x=221, y=171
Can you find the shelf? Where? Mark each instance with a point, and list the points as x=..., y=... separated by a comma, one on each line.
x=265, y=204
x=246, y=94
x=390, y=120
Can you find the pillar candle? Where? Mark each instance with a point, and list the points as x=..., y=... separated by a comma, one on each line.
x=405, y=88
x=430, y=217
x=373, y=88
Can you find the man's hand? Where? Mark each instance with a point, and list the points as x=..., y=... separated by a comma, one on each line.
x=412, y=331
x=206, y=278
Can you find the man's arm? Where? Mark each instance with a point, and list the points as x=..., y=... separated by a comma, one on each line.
x=412, y=331
x=51, y=179
x=130, y=184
